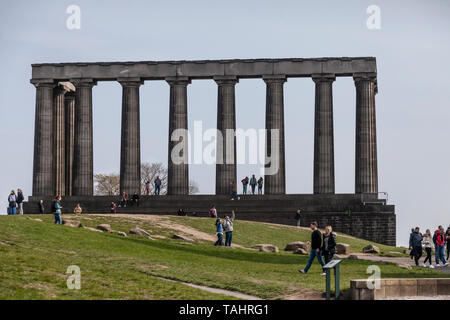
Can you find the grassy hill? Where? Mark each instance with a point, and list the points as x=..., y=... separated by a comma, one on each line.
x=34, y=257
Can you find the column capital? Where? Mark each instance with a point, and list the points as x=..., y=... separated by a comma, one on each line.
x=365, y=77
x=323, y=77
x=49, y=83
x=130, y=82
x=83, y=82
x=274, y=78
x=226, y=80
x=178, y=80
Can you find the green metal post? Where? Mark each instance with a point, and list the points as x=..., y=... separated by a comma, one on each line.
x=328, y=284
x=336, y=285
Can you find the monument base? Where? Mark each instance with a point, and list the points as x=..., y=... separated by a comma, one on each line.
x=363, y=216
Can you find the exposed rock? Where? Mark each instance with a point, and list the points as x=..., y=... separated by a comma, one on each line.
x=353, y=257
x=34, y=219
x=180, y=237
x=342, y=248
x=140, y=232
x=370, y=248
x=404, y=266
x=298, y=244
x=394, y=252
x=92, y=229
x=157, y=236
x=120, y=233
x=104, y=227
x=300, y=251
x=71, y=223
x=266, y=247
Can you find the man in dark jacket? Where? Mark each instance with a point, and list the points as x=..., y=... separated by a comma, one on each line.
x=316, y=244
x=415, y=244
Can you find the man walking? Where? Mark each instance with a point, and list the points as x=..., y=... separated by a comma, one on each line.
x=439, y=239
x=316, y=244
x=157, y=185
x=415, y=245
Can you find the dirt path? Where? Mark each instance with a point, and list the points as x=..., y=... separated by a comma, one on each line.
x=165, y=223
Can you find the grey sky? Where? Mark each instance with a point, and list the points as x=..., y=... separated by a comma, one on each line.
x=412, y=50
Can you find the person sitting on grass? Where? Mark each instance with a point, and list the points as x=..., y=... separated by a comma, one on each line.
x=316, y=244
x=219, y=232
x=77, y=209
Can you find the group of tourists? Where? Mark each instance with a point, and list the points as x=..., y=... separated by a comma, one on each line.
x=15, y=202
x=323, y=246
x=439, y=240
x=157, y=182
x=125, y=200
x=253, y=183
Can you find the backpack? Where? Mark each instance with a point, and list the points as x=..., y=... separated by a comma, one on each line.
x=211, y=213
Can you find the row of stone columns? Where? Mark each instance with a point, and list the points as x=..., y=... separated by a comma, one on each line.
x=63, y=155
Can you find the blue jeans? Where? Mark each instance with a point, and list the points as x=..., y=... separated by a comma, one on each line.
x=12, y=210
x=440, y=254
x=244, y=191
x=219, y=239
x=312, y=254
x=57, y=218
x=157, y=189
x=228, y=237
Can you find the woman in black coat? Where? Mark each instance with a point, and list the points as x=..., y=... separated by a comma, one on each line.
x=328, y=244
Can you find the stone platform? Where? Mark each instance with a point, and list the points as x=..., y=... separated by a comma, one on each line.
x=363, y=216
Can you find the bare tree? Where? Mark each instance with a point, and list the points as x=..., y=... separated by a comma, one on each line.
x=106, y=184
x=109, y=184
x=149, y=172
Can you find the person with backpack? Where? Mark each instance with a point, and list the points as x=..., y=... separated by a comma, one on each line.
x=328, y=244
x=56, y=209
x=12, y=203
x=20, y=199
x=316, y=245
x=219, y=232
x=253, y=183
x=439, y=244
x=298, y=217
x=427, y=242
x=228, y=228
x=415, y=244
x=260, y=185
x=244, y=185
x=213, y=211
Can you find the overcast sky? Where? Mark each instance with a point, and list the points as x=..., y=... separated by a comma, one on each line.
x=412, y=49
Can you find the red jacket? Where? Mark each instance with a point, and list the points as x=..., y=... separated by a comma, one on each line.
x=440, y=240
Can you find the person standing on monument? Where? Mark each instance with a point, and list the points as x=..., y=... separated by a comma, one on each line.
x=427, y=242
x=244, y=185
x=124, y=199
x=234, y=190
x=56, y=209
x=157, y=185
x=41, y=206
x=316, y=244
x=329, y=244
x=20, y=199
x=147, y=187
x=415, y=244
x=298, y=217
x=253, y=183
x=12, y=203
x=260, y=185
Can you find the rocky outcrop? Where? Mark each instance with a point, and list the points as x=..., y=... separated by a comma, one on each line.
x=298, y=244
x=370, y=248
x=266, y=247
x=104, y=227
x=180, y=237
x=140, y=232
x=342, y=248
x=71, y=223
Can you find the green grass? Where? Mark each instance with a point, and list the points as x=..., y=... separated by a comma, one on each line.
x=248, y=233
x=35, y=255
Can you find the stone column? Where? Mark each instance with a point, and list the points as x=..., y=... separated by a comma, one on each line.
x=178, y=167
x=69, y=139
x=59, y=140
x=83, y=175
x=323, y=135
x=130, y=149
x=275, y=180
x=226, y=140
x=43, y=140
x=366, y=175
